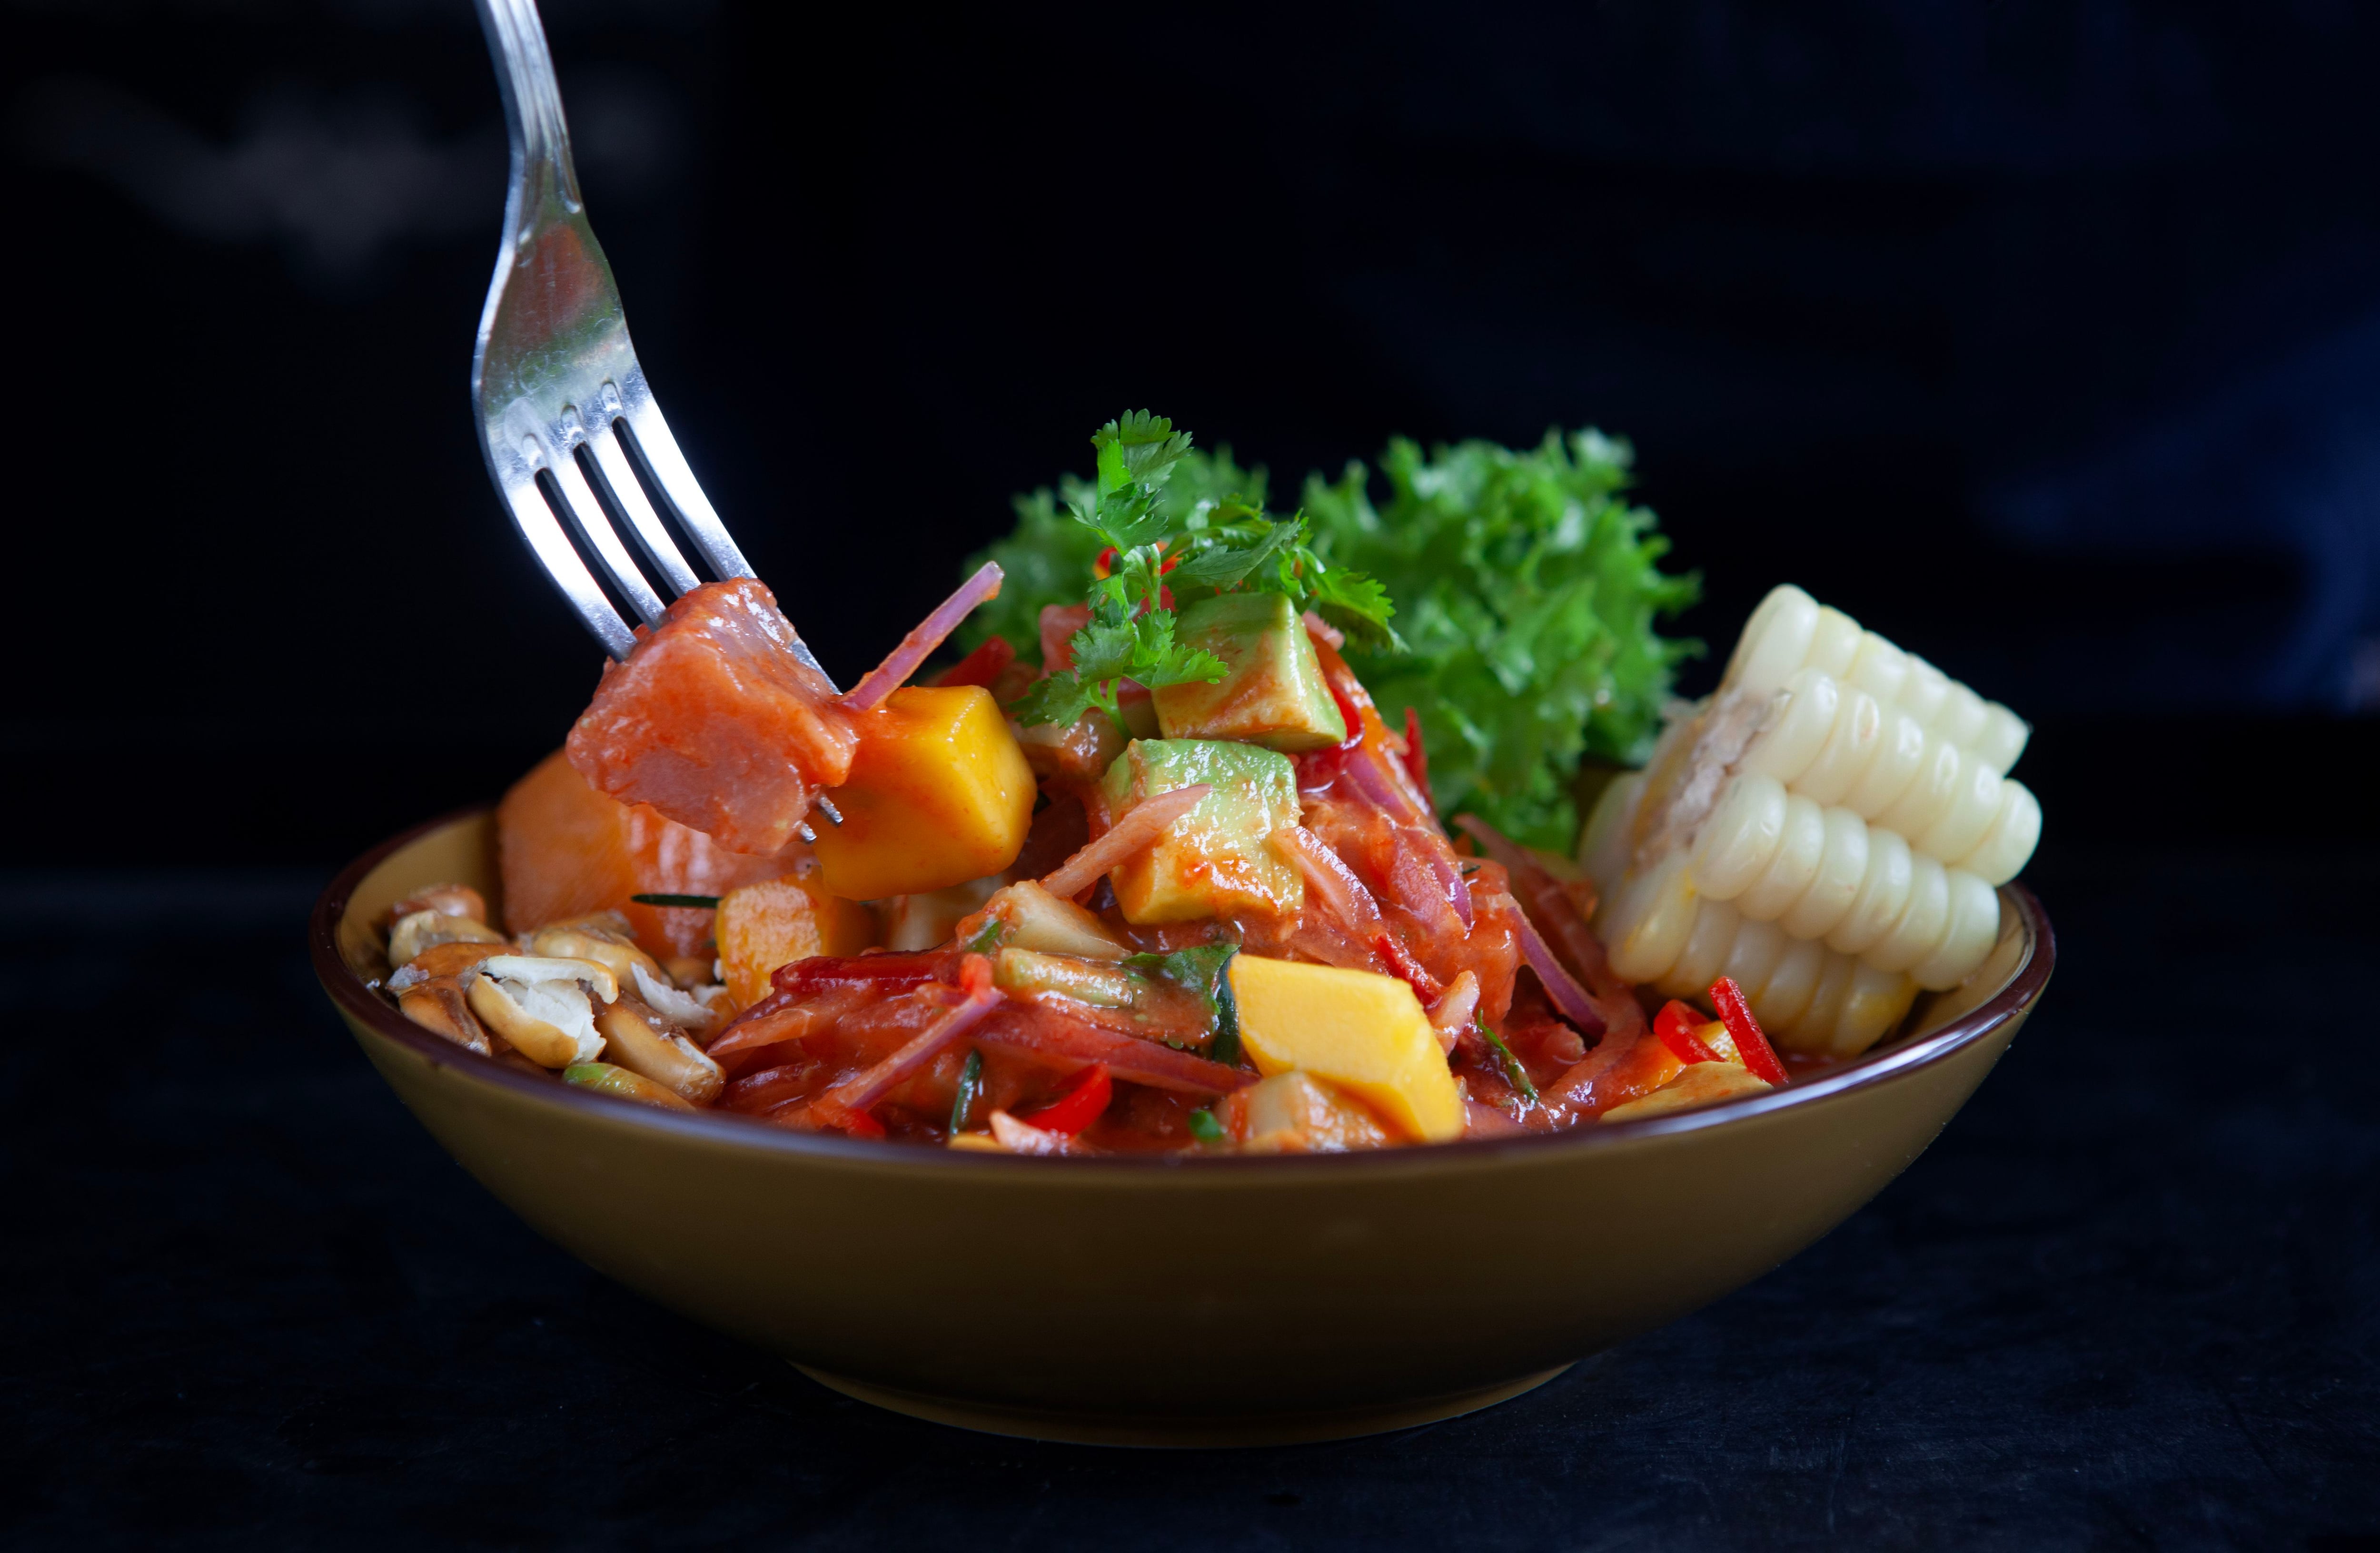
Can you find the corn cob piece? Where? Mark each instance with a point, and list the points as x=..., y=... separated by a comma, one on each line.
x=1838, y=743
x=1810, y=998
x=1829, y=830
x=1791, y=631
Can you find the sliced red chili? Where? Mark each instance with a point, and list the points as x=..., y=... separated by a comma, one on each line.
x=1081, y=1102
x=1678, y=1025
x=1750, y=1044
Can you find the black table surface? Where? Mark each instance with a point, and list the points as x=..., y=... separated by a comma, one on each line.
x=2129, y=1298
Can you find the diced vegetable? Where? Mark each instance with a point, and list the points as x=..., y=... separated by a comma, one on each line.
x=1213, y=861
x=779, y=921
x=1025, y=915
x=1296, y=1113
x=1272, y=693
x=938, y=793
x=1101, y=984
x=1364, y=1032
x=927, y=919
x=1078, y=1104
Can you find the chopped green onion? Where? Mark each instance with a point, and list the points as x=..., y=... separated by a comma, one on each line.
x=700, y=903
x=1514, y=1075
x=1205, y=1128
x=970, y=1088
x=986, y=937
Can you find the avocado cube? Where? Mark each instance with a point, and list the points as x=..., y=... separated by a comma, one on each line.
x=1271, y=693
x=1214, y=861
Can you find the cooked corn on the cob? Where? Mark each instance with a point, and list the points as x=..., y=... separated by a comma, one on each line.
x=1827, y=829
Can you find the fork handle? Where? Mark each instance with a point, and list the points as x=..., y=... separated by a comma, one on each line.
x=541, y=173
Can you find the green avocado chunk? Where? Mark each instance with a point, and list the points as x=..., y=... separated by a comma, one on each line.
x=1215, y=860
x=1272, y=692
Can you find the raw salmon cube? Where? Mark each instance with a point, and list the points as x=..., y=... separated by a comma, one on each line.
x=568, y=851
x=715, y=722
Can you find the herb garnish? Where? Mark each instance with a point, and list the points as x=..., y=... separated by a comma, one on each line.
x=1203, y=970
x=1514, y=1075
x=970, y=1087
x=700, y=902
x=1154, y=558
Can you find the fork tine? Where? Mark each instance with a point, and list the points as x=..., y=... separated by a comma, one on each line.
x=644, y=523
x=651, y=435
x=595, y=527
x=552, y=550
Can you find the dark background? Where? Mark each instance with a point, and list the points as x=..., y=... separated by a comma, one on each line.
x=2045, y=339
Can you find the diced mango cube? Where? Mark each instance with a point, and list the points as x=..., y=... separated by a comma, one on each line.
x=939, y=794
x=1364, y=1033
x=764, y=926
x=1214, y=861
x=1272, y=691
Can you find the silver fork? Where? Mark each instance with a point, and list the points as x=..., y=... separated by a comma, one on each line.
x=566, y=420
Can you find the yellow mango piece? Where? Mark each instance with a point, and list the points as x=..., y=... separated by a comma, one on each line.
x=764, y=926
x=1364, y=1033
x=939, y=794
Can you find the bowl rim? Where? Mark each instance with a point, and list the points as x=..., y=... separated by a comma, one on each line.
x=1879, y=1065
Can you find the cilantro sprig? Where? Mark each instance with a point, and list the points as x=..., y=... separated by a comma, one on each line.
x=1155, y=552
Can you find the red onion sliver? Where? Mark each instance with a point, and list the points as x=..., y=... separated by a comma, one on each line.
x=863, y=1090
x=1148, y=819
x=898, y=665
x=1570, y=999
x=1327, y=876
x=1050, y=1033
x=1450, y=874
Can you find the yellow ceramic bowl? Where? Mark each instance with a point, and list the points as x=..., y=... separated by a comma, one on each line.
x=1185, y=1301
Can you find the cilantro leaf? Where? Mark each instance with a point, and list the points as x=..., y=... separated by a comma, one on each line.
x=1204, y=970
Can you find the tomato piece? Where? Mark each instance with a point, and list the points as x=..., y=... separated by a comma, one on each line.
x=982, y=666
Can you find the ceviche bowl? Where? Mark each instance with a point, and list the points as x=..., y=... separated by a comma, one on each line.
x=1323, y=1296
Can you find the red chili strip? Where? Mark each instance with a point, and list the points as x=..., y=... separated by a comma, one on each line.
x=1750, y=1043
x=1083, y=1100
x=1679, y=1026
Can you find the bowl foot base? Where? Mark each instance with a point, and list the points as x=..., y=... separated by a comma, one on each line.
x=1179, y=1434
